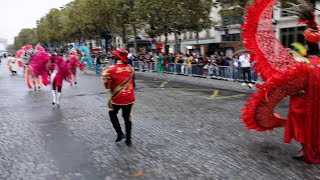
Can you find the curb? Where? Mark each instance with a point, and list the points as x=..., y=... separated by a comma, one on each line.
x=197, y=81
x=200, y=81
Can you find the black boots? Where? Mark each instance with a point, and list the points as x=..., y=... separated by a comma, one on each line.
x=120, y=137
x=128, y=133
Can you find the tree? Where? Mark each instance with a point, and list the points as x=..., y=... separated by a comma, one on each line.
x=26, y=36
x=90, y=19
x=175, y=16
x=12, y=49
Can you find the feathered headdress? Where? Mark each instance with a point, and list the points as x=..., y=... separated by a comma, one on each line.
x=39, y=48
x=304, y=11
x=20, y=53
x=27, y=47
x=24, y=50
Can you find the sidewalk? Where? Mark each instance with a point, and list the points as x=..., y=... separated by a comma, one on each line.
x=200, y=81
x=197, y=81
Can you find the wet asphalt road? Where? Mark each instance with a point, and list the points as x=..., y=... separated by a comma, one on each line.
x=179, y=132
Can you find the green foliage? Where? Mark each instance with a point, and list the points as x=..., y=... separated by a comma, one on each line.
x=26, y=36
x=12, y=49
x=89, y=18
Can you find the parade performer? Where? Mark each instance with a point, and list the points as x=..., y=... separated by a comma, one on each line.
x=59, y=71
x=74, y=63
x=53, y=70
x=85, y=52
x=24, y=56
x=119, y=79
x=12, y=65
x=284, y=76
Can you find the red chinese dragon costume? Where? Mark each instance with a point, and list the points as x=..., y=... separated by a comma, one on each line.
x=283, y=76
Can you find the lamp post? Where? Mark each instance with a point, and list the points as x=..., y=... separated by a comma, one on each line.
x=179, y=44
x=105, y=34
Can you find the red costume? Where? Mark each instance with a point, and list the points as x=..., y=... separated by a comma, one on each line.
x=283, y=77
x=52, y=70
x=116, y=75
x=295, y=124
x=119, y=79
x=74, y=63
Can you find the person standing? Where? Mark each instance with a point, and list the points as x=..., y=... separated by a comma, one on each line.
x=160, y=63
x=119, y=79
x=244, y=59
x=98, y=63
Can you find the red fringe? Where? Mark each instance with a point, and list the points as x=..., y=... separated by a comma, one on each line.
x=258, y=112
x=257, y=27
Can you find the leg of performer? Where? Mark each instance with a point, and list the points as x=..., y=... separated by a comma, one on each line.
x=53, y=91
x=54, y=94
x=300, y=154
x=75, y=79
x=126, y=114
x=71, y=82
x=115, y=122
x=27, y=78
x=59, y=88
x=39, y=81
x=34, y=84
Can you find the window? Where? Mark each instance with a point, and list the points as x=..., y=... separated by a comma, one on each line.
x=290, y=35
x=190, y=35
x=184, y=35
x=231, y=37
x=231, y=20
x=207, y=33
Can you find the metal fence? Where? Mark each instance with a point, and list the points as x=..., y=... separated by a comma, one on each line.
x=229, y=73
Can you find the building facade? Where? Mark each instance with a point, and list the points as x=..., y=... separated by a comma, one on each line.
x=215, y=39
x=287, y=27
x=208, y=41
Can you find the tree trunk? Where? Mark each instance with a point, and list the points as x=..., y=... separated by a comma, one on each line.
x=124, y=36
x=107, y=49
x=135, y=37
x=177, y=48
x=165, y=41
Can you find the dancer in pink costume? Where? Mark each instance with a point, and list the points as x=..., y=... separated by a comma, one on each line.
x=53, y=70
x=74, y=63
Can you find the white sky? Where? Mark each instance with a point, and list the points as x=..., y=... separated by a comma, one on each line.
x=18, y=14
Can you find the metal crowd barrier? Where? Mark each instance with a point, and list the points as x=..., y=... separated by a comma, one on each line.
x=229, y=73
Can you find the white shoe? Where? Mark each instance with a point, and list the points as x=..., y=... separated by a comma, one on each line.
x=53, y=92
x=250, y=85
x=58, y=98
x=243, y=84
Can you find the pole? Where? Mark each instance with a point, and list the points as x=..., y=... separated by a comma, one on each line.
x=135, y=38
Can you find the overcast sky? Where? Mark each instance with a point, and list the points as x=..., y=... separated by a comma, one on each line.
x=18, y=14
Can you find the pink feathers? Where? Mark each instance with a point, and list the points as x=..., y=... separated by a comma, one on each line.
x=39, y=63
x=39, y=48
x=20, y=53
x=27, y=47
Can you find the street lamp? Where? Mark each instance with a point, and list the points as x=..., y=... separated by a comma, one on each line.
x=179, y=43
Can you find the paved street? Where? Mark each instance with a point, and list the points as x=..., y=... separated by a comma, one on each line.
x=180, y=131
